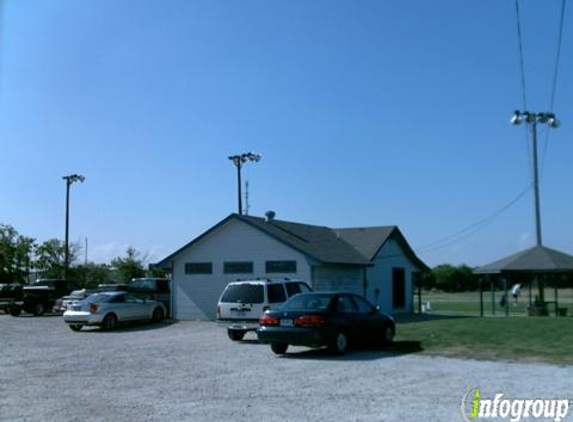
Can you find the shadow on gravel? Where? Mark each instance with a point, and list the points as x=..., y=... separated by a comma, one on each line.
x=397, y=348
x=143, y=326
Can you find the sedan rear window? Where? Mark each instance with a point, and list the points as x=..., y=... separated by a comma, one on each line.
x=308, y=302
x=244, y=293
x=97, y=298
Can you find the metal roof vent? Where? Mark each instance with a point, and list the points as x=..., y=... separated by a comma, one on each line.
x=270, y=216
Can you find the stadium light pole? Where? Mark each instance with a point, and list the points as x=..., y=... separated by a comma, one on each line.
x=70, y=179
x=238, y=160
x=532, y=119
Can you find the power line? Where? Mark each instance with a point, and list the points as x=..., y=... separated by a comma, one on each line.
x=555, y=77
x=473, y=228
x=521, y=60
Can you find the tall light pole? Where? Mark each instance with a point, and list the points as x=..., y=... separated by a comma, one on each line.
x=70, y=179
x=532, y=119
x=238, y=160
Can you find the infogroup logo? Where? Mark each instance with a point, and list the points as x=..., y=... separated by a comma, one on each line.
x=475, y=406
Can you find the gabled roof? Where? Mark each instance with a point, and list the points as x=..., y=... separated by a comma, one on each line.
x=538, y=259
x=354, y=246
x=318, y=242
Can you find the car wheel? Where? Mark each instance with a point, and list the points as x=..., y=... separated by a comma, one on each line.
x=279, y=348
x=15, y=311
x=388, y=335
x=236, y=335
x=39, y=309
x=75, y=327
x=109, y=322
x=340, y=343
x=158, y=315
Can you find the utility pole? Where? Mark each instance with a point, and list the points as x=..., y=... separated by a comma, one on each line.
x=70, y=179
x=238, y=160
x=532, y=119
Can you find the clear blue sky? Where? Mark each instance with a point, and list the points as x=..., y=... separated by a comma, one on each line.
x=366, y=113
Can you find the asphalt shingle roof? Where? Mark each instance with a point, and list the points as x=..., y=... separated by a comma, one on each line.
x=351, y=246
x=538, y=259
x=319, y=242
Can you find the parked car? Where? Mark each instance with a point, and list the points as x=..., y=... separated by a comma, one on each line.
x=107, y=309
x=41, y=296
x=243, y=302
x=152, y=288
x=335, y=320
x=10, y=293
x=111, y=287
x=62, y=304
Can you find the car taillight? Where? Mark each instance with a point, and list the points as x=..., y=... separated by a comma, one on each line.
x=309, y=321
x=94, y=307
x=218, y=312
x=268, y=320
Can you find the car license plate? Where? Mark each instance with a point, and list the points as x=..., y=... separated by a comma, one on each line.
x=287, y=323
x=238, y=313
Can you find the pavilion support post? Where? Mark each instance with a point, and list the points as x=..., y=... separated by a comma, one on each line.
x=506, y=297
x=480, y=280
x=556, y=296
x=492, y=298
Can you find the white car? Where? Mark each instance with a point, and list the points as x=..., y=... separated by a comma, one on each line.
x=243, y=302
x=64, y=303
x=107, y=309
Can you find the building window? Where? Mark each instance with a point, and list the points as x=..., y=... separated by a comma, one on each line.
x=281, y=266
x=238, y=267
x=198, y=268
x=398, y=288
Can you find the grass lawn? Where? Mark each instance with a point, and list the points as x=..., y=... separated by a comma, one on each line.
x=468, y=303
x=542, y=339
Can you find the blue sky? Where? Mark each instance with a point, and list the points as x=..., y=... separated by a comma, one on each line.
x=366, y=113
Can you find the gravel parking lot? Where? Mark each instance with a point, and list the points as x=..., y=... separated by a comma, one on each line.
x=190, y=371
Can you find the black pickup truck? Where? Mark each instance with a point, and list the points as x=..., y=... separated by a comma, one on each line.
x=10, y=293
x=41, y=296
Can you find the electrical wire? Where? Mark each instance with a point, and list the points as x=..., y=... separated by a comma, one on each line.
x=555, y=77
x=523, y=90
x=521, y=60
x=473, y=228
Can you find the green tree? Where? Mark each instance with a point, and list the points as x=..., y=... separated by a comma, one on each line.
x=90, y=275
x=50, y=257
x=450, y=278
x=132, y=265
x=15, y=255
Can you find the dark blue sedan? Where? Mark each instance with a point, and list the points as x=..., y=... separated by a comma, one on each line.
x=334, y=320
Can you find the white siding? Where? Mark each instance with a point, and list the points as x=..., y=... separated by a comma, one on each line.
x=380, y=277
x=341, y=278
x=196, y=296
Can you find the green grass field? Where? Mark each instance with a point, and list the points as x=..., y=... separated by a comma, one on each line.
x=540, y=339
x=468, y=303
x=453, y=328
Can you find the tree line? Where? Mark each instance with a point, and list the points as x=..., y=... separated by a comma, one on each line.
x=22, y=257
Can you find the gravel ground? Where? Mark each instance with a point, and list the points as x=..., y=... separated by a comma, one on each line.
x=190, y=371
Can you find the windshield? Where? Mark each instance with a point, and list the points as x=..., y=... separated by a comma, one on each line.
x=244, y=293
x=308, y=302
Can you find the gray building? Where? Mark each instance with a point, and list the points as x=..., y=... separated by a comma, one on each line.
x=376, y=262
